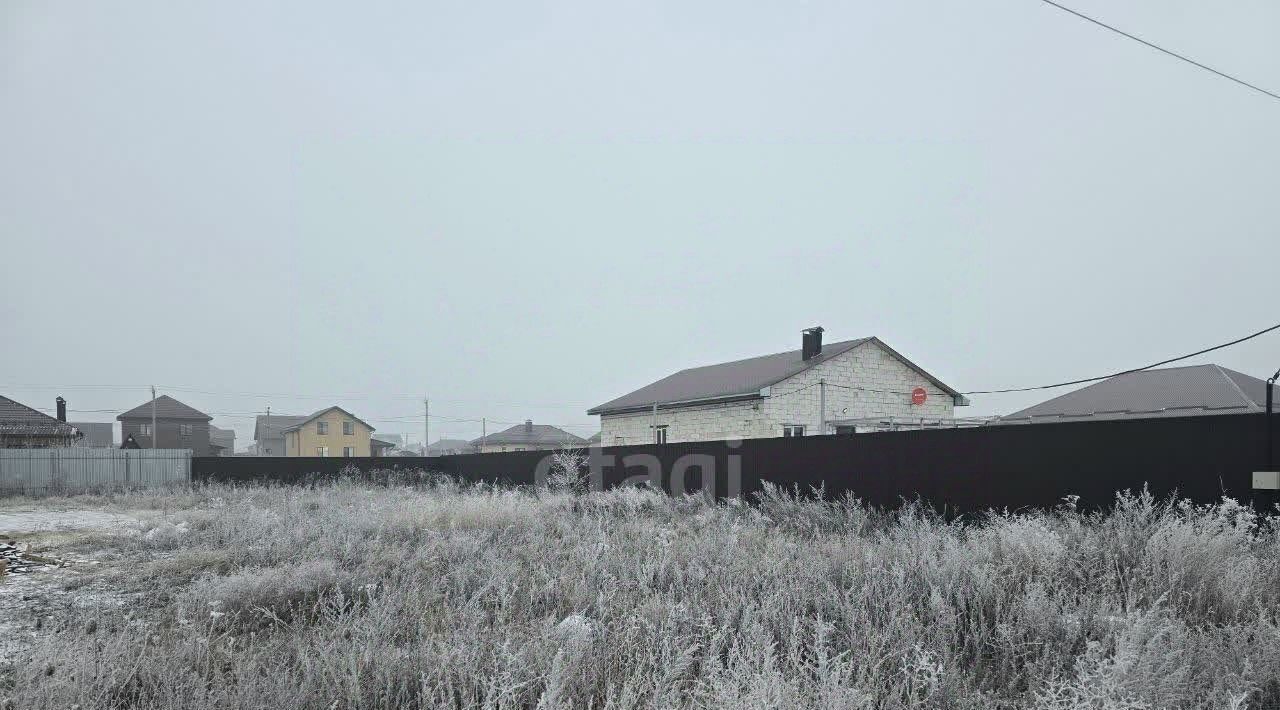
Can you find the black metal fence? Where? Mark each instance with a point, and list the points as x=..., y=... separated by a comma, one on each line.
x=959, y=470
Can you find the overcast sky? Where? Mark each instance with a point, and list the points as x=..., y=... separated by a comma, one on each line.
x=526, y=209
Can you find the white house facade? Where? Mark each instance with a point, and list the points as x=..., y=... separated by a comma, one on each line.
x=814, y=390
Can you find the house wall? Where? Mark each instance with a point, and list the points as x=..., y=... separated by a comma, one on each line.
x=883, y=379
x=271, y=446
x=305, y=440
x=169, y=434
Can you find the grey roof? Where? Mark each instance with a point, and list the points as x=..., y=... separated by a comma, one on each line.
x=1170, y=392
x=739, y=379
x=530, y=433
x=318, y=412
x=97, y=434
x=278, y=423
x=445, y=445
x=166, y=408
x=386, y=439
x=223, y=438
x=18, y=419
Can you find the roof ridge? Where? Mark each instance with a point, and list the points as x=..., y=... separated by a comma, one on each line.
x=1236, y=386
x=780, y=352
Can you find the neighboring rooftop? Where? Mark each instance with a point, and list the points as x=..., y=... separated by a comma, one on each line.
x=740, y=379
x=530, y=434
x=272, y=426
x=166, y=408
x=17, y=419
x=222, y=438
x=96, y=434
x=444, y=447
x=1169, y=392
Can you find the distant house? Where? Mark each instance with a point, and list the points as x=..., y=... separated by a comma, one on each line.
x=329, y=432
x=1192, y=391
x=97, y=435
x=450, y=447
x=836, y=388
x=380, y=446
x=178, y=426
x=268, y=432
x=222, y=442
x=22, y=427
x=528, y=437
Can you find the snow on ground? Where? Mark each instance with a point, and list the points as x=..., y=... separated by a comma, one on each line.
x=26, y=522
x=31, y=600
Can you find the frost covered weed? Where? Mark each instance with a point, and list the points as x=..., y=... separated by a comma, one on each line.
x=372, y=596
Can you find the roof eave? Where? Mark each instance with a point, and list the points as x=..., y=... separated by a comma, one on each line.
x=742, y=397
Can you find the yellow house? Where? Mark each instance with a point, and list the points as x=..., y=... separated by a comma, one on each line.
x=328, y=432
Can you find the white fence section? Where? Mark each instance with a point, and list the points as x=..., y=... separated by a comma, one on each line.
x=78, y=469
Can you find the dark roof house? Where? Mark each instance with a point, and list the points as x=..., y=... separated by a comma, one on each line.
x=1195, y=390
x=529, y=436
x=166, y=408
x=177, y=426
x=743, y=379
x=24, y=427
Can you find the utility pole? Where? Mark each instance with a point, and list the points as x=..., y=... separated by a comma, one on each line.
x=154, y=433
x=1271, y=461
x=267, y=433
x=484, y=433
x=426, y=425
x=822, y=405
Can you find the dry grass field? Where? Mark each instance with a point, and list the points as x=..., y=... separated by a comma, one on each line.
x=442, y=596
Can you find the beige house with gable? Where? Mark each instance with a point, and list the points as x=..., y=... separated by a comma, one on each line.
x=329, y=432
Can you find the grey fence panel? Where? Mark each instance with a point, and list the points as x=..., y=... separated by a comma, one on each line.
x=79, y=469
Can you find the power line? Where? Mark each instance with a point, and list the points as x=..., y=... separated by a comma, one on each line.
x=1237, y=341
x=1156, y=47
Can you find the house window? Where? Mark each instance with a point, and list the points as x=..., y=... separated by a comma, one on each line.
x=184, y=429
x=790, y=430
x=145, y=430
x=322, y=428
x=348, y=428
x=661, y=436
x=348, y=451
x=322, y=451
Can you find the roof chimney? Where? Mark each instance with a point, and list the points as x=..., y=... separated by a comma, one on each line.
x=811, y=342
x=528, y=426
x=62, y=409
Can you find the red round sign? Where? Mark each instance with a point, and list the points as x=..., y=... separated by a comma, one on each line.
x=918, y=395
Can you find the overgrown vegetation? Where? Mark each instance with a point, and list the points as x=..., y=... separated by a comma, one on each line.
x=349, y=595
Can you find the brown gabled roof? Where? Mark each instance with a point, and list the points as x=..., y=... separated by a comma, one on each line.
x=316, y=414
x=17, y=419
x=166, y=408
x=742, y=379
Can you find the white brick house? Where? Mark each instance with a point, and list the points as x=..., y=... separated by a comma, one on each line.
x=813, y=390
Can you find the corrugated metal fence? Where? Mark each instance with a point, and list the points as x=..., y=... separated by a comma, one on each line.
x=80, y=469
